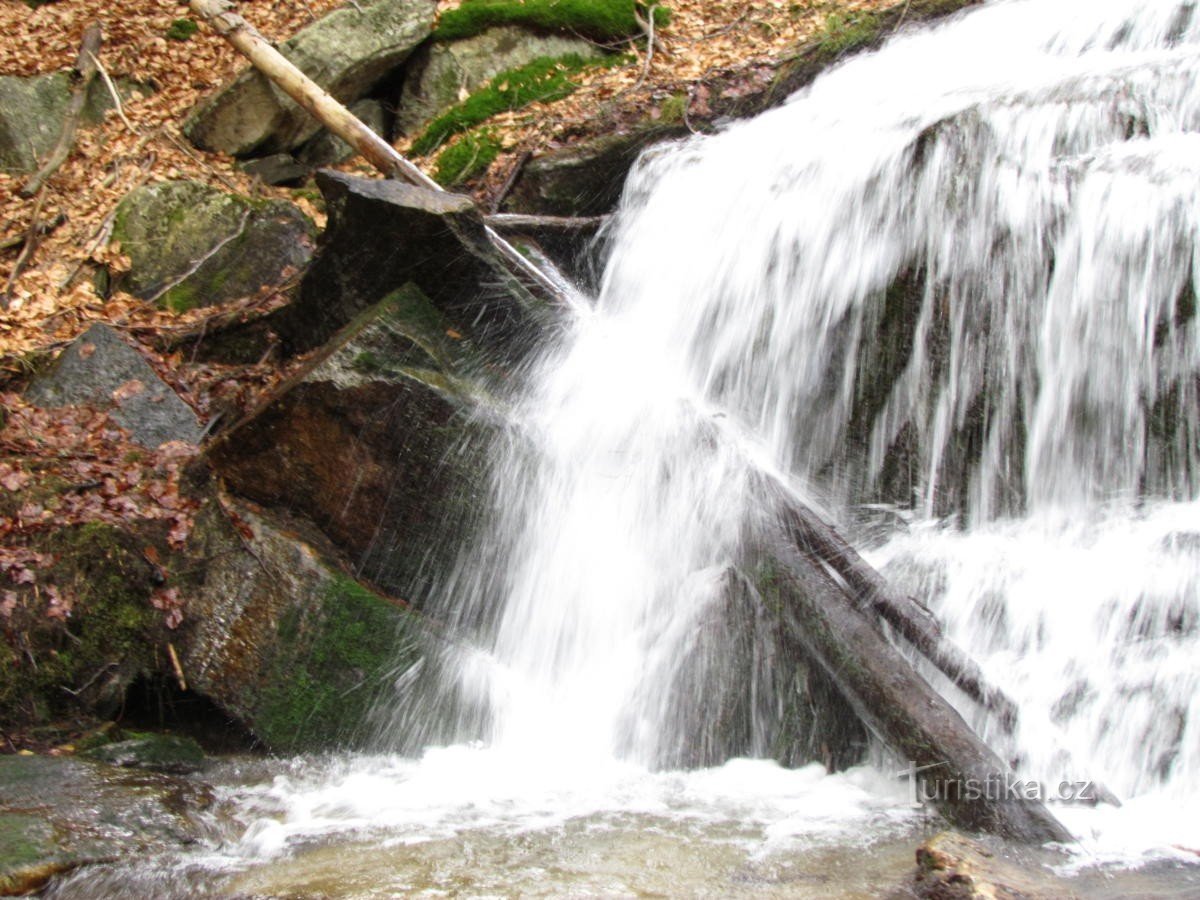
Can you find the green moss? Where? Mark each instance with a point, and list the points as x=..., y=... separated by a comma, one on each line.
x=602, y=20
x=467, y=158
x=182, y=30
x=843, y=32
x=332, y=663
x=51, y=668
x=673, y=109
x=544, y=80
x=367, y=362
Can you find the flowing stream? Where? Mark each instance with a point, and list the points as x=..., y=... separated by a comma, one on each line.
x=948, y=293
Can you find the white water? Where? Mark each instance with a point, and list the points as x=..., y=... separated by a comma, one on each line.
x=1034, y=167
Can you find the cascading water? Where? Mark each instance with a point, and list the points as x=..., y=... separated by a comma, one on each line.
x=951, y=290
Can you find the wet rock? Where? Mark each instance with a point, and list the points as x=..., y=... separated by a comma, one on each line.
x=32, y=111
x=951, y=866
x=346, y=53
x=327, y=149
x=444, y=73
x=284, y=640
x=276, y=169
x=192, y=245
x=585, y=179
x=153, y=752
x=377, y=443
x=100, y=368
x=382, y=234
x=57, y=814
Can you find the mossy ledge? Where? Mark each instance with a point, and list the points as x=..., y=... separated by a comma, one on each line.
x=600, y=20
x=544, y=80
x=467, y=158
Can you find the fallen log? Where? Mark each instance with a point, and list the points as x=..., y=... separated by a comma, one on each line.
x=340, y=121
x=971, y=786
x=83, y=75
x=820, y=542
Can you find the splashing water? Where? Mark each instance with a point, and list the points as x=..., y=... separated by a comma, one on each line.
x=953, y=282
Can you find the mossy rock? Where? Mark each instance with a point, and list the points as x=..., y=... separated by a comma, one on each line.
x=32, y=111
x=192, y=245
x=600, y=20
x=439, y=76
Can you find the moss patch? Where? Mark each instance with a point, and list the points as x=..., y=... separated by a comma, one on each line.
x=332, y=662
x=182, y=30
x=602, y=20
x=56, y=669
x=544, y=80
x=467, y=158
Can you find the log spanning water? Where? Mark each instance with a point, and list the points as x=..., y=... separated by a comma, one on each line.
x=946, y=295
x=953, y=279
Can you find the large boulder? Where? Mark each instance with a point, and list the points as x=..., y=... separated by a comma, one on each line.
x=327, y=149
x=382, y=234
x=378, y=443
x=346, y=53
x=283, y=639
x=445, y=72
x=192, y=245
x=101, y=369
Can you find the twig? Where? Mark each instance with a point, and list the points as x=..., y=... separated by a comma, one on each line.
x=112, y=92
x=195, y=266
x=31, y=242
x=176, y=666
x=87, y=684
x=43, y=228
x=648, y=26
x=510, y=182
x=180, y=145
x=85, y=72
x=903, y=13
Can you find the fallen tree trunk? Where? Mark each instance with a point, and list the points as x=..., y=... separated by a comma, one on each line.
x=820, y=542
x=339, y=120
x=953, y=768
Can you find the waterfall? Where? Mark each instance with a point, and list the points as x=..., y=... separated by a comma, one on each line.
x=948, y=293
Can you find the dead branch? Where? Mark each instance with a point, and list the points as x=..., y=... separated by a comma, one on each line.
x=32, y=239
x=84, y=74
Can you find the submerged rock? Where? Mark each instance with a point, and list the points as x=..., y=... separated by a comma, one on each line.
x=346, y=53
x=192, y=245
x=445, y=72
x=57, y=814
x=951, y=866
x=101, y=369
x=154, y=752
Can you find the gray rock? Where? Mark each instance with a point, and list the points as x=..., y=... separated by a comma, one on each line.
x=346, y=53
x=445, y=73
x=95, y=366
x=192, y=245
x=327, y=149
x=153, y=752
x=32, y=111
x=276, y=169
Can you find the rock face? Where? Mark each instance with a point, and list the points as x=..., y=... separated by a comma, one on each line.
x=285, y=641
x=101, y=369
x=444, y=73
x=346, y=53
x=191, y=245
x=377, y=444
x=382, y=234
